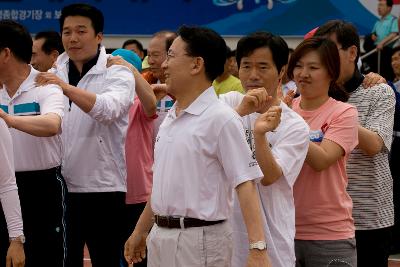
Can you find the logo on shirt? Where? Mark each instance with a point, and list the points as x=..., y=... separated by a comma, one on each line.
x=253, y=163
x=316, y=135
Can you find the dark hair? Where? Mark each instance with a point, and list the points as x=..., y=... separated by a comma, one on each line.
x=329, y=56
x=16, y=37
x=84, y=10
x=279, y=48
x=169, y=37
x=207, y=44
x=228, y=52
x=389, y=3
x=133, y=41
x=395, y=49
x=52, y=41
x=346, y=34
x=232, y=54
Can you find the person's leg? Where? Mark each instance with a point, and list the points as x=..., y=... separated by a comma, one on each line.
x=329, y=253
x=373, y=247
x=105, y=234
x=53, y=221
x=76, y=224
x=299, y=251
x=205, y=246
x=42, y=198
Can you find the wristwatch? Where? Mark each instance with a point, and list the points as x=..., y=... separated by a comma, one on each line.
x=20, y=239
x=260, y=245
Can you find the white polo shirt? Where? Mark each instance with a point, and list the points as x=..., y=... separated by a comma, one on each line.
x=199, y=158
x=289, y=146
x=33, y=153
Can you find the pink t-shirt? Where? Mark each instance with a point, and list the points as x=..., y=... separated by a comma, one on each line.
x=323, y=206
x=139, y=154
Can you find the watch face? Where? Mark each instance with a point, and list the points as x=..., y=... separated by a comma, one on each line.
x=260, y=245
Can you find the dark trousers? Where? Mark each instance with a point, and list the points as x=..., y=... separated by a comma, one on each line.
x=132, y=214
x=395, y=169
x=373, y=247
x=97, y=220
x=43, y=206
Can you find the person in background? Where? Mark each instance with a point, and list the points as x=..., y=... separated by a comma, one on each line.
x=226, y=82
x=370, y=181
x=157, y=54
x=135, y=46
x=395, y=152
x=47, y=46
x=384, y=31
x=234, y=70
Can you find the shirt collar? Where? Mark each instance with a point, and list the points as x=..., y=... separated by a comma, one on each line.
x=86, y=67
x=201, y=103
x=27, y=84
x=99, y=66
x=355, y=81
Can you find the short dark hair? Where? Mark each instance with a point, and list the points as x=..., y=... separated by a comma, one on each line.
x=278, y=46
x=329, y=55
x=395, y=49
x=346, y=34
x=207, y=44
x=228, y=52
x=52, y=41
x=133, y=41
x=389, y=3
x=232, y=54
x=16, y=37
x=84, y=10
x=169, y=37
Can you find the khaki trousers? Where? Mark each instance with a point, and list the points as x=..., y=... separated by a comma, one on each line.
x=208, y=246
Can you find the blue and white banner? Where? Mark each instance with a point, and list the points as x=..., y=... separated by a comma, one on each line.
x=228, y=17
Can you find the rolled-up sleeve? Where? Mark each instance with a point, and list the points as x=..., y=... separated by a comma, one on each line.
x=116, y=97
x=8, y=186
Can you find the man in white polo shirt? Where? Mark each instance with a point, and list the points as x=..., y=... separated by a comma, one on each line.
x=34, y=115
x=200, y=157
x=280, y=151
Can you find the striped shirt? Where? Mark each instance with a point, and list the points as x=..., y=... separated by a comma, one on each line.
x=370, y=181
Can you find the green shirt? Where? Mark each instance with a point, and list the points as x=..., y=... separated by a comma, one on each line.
x=230, y=84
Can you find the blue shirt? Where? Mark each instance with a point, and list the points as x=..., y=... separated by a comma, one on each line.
x=384, y=27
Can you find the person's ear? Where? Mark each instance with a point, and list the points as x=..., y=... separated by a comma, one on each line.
x=197, y=65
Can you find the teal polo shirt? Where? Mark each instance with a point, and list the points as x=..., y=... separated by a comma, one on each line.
x=384, y=27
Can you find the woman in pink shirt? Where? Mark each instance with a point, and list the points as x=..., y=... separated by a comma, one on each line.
x=324, y=224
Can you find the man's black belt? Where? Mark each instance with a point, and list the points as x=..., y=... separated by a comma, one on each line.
x=181, y=222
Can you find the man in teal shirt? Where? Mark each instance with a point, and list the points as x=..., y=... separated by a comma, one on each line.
x=387, y=27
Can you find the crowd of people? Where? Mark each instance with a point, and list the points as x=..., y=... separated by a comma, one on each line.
x=190, y=154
